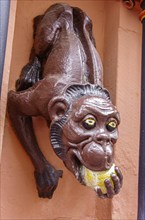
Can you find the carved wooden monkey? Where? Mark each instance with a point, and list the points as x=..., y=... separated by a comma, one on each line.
x=63, y=83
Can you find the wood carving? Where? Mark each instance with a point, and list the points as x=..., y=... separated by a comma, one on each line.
x=63, y=83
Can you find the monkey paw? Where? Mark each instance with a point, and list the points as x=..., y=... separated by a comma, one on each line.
x=117, y=180
x=47, y=181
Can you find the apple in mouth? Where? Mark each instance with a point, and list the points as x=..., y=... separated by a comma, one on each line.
x=105, y=182
x=94, y=179
x=78, y=166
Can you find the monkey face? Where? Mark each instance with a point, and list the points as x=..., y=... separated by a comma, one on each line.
x=89, y=134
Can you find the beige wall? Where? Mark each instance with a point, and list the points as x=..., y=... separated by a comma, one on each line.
x=118, y=37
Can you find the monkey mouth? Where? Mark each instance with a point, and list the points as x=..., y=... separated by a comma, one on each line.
x=76, y=164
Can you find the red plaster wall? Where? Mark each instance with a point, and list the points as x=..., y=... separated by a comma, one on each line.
x=118, y=38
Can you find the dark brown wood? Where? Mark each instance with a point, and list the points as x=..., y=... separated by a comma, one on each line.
x=63, y=83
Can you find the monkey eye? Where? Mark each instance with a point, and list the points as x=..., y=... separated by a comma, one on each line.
x=89, y=123
x=111, y=125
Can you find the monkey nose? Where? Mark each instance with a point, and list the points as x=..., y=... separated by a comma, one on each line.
x=102, y=139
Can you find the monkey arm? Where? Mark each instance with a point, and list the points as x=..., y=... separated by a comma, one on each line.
x=21, y=108
x=83, y=27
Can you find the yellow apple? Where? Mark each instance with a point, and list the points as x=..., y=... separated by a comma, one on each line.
x=96, y=178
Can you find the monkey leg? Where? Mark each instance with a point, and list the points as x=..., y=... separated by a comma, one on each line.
x=20, y=109
x=46, y=28
x=32, y=71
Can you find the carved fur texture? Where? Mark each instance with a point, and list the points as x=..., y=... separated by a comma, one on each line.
x=62, y=82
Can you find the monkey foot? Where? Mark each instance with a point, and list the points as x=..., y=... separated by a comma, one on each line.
x=47, y=181
x=31, y=73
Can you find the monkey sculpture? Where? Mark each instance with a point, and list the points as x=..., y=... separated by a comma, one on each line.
x=63, y=83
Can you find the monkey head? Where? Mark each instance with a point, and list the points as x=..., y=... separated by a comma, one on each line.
x=84, y=128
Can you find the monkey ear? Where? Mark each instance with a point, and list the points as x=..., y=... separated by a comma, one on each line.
x=57, y=107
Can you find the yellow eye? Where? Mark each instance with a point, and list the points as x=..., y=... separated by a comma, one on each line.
x=111, y=126
x=89, y=123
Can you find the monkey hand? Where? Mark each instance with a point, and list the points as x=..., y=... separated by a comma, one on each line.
x=114, y=189
x=47, y=181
